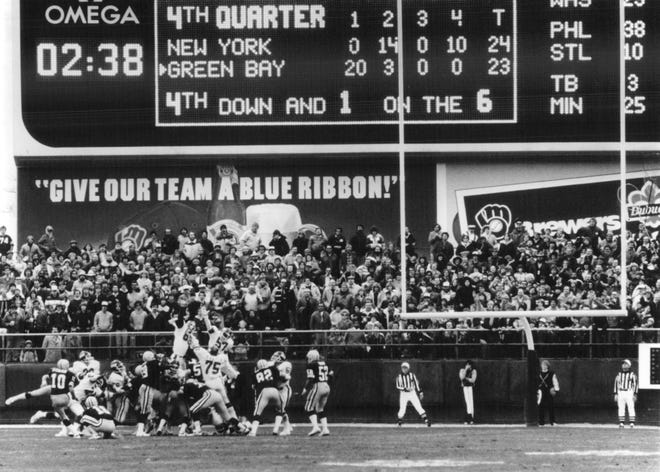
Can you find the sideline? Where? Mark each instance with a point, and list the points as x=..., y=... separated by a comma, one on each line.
x=405, y=426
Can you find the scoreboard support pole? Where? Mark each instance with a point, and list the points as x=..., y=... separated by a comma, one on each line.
x=623, y=240
x=402, y=160
x=530, y=405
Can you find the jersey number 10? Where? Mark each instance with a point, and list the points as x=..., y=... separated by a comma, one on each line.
x=58, y=381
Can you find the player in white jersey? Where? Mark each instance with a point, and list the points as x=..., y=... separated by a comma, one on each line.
x=182, y=332
x=88, y=386
x=284, y=388
x=85, y=363
x=215, y=365
x=118, y=384
x=217, y=335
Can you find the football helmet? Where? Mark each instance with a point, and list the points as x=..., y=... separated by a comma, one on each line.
x=85, y=356
x=91, y=402
x=313, y=355
x=278, y=356
x=148, y=356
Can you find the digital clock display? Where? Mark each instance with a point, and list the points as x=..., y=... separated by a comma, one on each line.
x=106, y=60
x=222, y=72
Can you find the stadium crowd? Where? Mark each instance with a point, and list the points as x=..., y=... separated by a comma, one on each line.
x=320, y=282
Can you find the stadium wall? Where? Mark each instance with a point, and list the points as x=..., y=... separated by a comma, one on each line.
x=363, y=384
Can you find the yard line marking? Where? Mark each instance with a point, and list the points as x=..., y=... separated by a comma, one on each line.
x=409, y=464
x=598, y=453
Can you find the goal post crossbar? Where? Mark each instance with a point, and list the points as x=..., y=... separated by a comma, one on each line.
x=510, y=314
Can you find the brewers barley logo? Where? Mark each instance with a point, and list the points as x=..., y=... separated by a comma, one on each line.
x=644, y=204
x=134, y=234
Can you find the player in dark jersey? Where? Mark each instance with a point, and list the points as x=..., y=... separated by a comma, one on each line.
x=317, y=389
x=39, y=392
x=172, y=409
x=265, y=381
x=98, y=419
x=149, y=371
x=194, y=368
x=58, y=383
x=201, y=399
x=239, y=391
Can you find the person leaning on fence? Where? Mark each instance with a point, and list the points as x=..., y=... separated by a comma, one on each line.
x=548, y=386
x=28, y=354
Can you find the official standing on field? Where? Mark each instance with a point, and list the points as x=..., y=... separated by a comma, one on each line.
x=625, y=393
x=409, y=392
x=468, y=376
x=548, y=387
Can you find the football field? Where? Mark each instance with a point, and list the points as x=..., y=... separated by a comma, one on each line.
x=367, y=447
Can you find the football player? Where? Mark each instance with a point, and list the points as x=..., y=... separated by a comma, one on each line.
x=265, y=381
x=118, y=385
x=98, y=419
x=149, y=373
x=173, y=409
x=317, y=390
x=90, y=385
x=58, y=383
x=84, y=364
x=284, y=388
x=215, y=363
x=202, y=398
x=222, y=335
x=182, y=331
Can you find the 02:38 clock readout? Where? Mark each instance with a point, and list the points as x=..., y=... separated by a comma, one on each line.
x=68, y=60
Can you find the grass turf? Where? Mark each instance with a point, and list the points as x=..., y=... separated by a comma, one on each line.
x=355, y=448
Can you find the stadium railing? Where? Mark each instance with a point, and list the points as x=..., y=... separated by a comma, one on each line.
x=454, y=343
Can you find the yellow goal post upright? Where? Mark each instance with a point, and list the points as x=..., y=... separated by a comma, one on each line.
x=531, y=407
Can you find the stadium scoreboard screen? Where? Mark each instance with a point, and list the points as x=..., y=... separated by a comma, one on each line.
x=649, y=366
x=222, y=72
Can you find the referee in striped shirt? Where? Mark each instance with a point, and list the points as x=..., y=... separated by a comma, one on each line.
x=409, y=392
x=625, y=393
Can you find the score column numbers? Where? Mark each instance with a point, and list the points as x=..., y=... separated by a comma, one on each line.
x=227, y=63
x=460, y=61
x=325, y=63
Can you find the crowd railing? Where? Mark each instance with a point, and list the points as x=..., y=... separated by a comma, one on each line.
x=456, y=343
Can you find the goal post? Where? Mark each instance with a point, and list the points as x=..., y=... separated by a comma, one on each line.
x=531, y=408
x=530, y=405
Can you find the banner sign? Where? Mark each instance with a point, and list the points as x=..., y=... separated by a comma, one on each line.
x=565, y=204
x=104, y=204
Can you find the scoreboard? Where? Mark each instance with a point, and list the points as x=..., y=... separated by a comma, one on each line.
x=104, y=73
x=649, y=366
